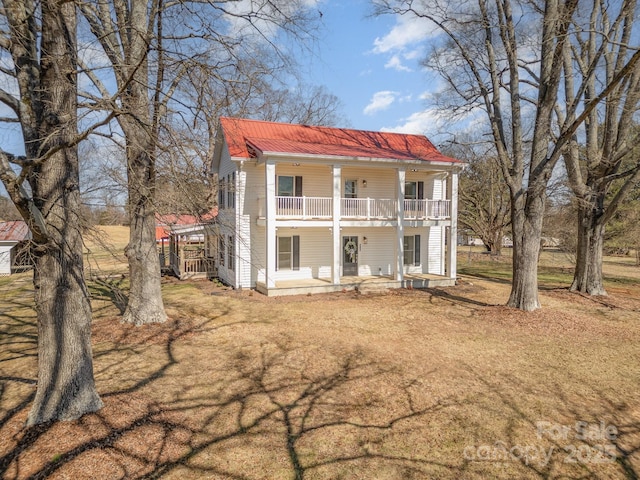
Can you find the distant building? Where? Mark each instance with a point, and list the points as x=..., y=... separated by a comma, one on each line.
x=14, y=236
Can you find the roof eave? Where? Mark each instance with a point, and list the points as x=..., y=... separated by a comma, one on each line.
x=317, y=158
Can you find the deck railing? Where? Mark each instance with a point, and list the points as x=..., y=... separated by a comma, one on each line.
x=368, y=208
x=191, y=262
x=360, y=208
x=424, y=209
x=304, y=207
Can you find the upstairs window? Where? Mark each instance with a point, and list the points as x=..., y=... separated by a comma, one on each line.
x=350, y=189
x=413, y=190
x=289, y=186
x=231, y=190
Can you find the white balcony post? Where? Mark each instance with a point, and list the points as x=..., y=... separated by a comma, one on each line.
x=270, y=220
x=337, y=245
x=400, y=227
x=452, y=193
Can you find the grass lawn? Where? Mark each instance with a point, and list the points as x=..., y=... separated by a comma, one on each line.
x=411, y=384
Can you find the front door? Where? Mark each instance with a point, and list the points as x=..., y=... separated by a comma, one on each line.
x=350, y=256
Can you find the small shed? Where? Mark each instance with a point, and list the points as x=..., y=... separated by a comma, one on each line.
x=13, y=238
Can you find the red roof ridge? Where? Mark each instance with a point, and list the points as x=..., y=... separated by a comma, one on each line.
x=330, y=141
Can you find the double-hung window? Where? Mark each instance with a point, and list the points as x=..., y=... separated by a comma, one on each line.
x=413, y=192
x=350, y=189
x=412, y=250
x=221, y=249
x=289, y=186
x=288, y=252
x=231, y=253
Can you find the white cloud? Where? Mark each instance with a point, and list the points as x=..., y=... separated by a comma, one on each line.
x=380, y=101
x=395, y=63
x=426, y=122
x=407, y=31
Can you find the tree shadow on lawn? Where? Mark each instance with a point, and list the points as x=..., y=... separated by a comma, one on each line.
x=268, y=410
x=274, y=408
x=596, y=438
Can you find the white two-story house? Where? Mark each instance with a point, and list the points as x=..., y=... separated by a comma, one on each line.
x=317, y=209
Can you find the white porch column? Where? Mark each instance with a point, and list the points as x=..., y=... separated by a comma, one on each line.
x=400, y=228
x=270, y=220
x=337, y=245
x=452, y=194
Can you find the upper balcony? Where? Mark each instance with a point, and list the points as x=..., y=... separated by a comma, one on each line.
x=318, y=208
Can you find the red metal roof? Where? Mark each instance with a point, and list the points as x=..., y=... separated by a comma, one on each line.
x=14, y=231
x=283, y=138
x=165, y=222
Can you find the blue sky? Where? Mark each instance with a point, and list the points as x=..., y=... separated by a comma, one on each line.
x=373, y=65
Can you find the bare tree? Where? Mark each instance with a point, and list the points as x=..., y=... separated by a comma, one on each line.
x=40, y=38
x=8, y=210
x=506, y=59
x=607, y=158
x=485, y=207
x=126, y=30
x=150, y=46
x=484, y=203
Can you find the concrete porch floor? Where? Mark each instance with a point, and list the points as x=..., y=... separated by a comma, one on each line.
x=363, y=284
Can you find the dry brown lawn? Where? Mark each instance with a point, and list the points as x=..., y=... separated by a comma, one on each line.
x=411, y=384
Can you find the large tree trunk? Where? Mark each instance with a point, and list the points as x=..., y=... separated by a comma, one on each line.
x=145, y=303
x=139, y=125
x=587, y=276
x=66, y=388
x=527, y=232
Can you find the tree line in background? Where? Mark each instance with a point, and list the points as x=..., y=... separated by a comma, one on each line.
x=127, y=93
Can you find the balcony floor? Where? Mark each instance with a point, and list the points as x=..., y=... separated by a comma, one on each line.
x=364, y=284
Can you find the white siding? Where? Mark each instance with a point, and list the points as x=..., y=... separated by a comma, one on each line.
x=381, y=183
x=434, y=187
x=423, y=267
x=243, y=252
x=315, y=253
x=316, y=179
x=435, y=251
x=226, y=164
x=377, y=256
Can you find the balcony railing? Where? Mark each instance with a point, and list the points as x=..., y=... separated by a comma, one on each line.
x=304, y=207
x=368, y=208
x=360, y=208
x=423, y=209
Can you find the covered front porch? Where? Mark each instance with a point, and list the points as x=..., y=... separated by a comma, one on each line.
x=364, y=284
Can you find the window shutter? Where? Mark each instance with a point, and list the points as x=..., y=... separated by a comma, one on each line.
x=295, y=261
x=298, y=187
x=416, y=248
x=420, y=190
x=221, y=193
